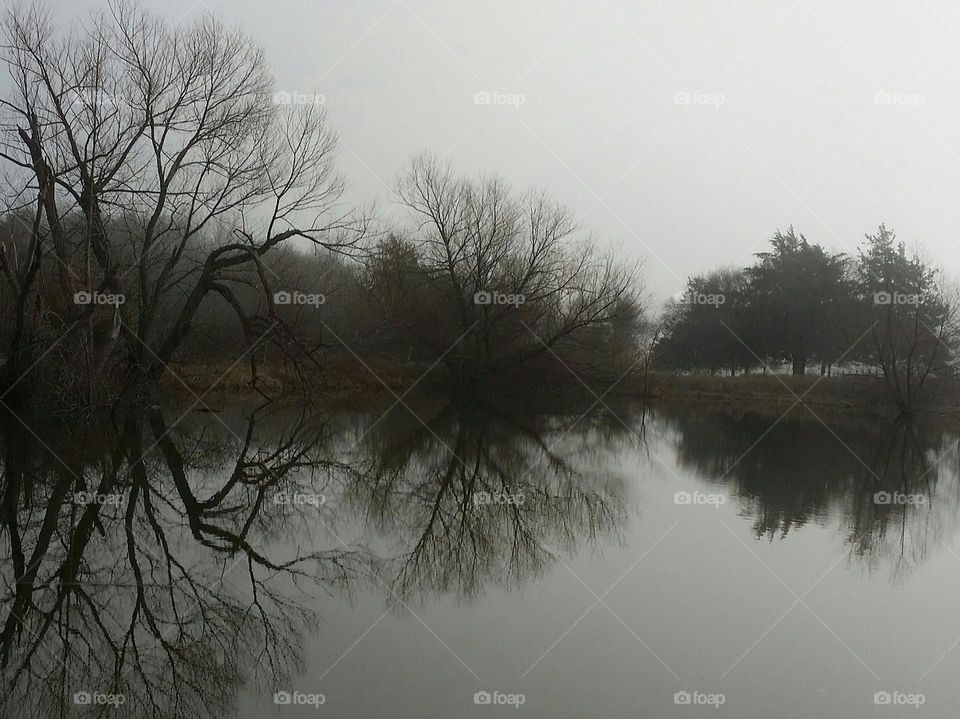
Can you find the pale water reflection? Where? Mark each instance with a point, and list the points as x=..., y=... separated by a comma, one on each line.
x=465, y=561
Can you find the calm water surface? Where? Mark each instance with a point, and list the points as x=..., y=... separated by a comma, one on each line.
x=613, y=564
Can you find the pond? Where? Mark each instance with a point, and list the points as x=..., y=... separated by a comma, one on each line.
x=450, y=559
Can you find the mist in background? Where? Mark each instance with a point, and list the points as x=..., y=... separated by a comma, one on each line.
x=684, y=133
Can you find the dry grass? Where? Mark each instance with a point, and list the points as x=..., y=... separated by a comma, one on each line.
x=339, y=377
x=346, y=378
x=844, y=390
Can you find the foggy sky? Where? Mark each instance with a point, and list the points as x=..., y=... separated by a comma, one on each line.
x=683, y=132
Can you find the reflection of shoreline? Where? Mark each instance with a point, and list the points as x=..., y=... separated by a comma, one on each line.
x=215, y=497
x=894, y=486
x=164, y=599
x=454, y=501
x=474, y=499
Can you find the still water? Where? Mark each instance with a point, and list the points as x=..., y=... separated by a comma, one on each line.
x=438, y=559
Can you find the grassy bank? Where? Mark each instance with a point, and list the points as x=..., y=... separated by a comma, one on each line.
x=849, y=390
x=340, y=378
x=859, y=392
x=347, y=379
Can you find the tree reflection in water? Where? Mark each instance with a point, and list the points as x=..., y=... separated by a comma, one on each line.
x=794, y=469
x=477, y=497
x=190, y=582
x=164, y=590
x=186, y=580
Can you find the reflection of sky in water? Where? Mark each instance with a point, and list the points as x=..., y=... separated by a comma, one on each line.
x=641, y=561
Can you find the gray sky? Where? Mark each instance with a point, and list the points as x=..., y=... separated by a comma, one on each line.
x=682, y=132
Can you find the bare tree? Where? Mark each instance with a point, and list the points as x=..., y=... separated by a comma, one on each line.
x=154, y=166
x=519, y=281
x=913, y=313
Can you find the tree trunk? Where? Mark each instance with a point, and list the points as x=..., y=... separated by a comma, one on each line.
x=799, y=363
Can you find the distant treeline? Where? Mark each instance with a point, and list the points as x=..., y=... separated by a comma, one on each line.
x=886, y=311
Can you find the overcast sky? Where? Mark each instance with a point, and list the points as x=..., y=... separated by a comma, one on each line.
x=684, y=131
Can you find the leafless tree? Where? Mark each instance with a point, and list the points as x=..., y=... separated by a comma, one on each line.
x=151, y=162
x=912, y=312
x=516, y=279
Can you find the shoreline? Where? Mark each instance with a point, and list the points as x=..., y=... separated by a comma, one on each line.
x=352, y=385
